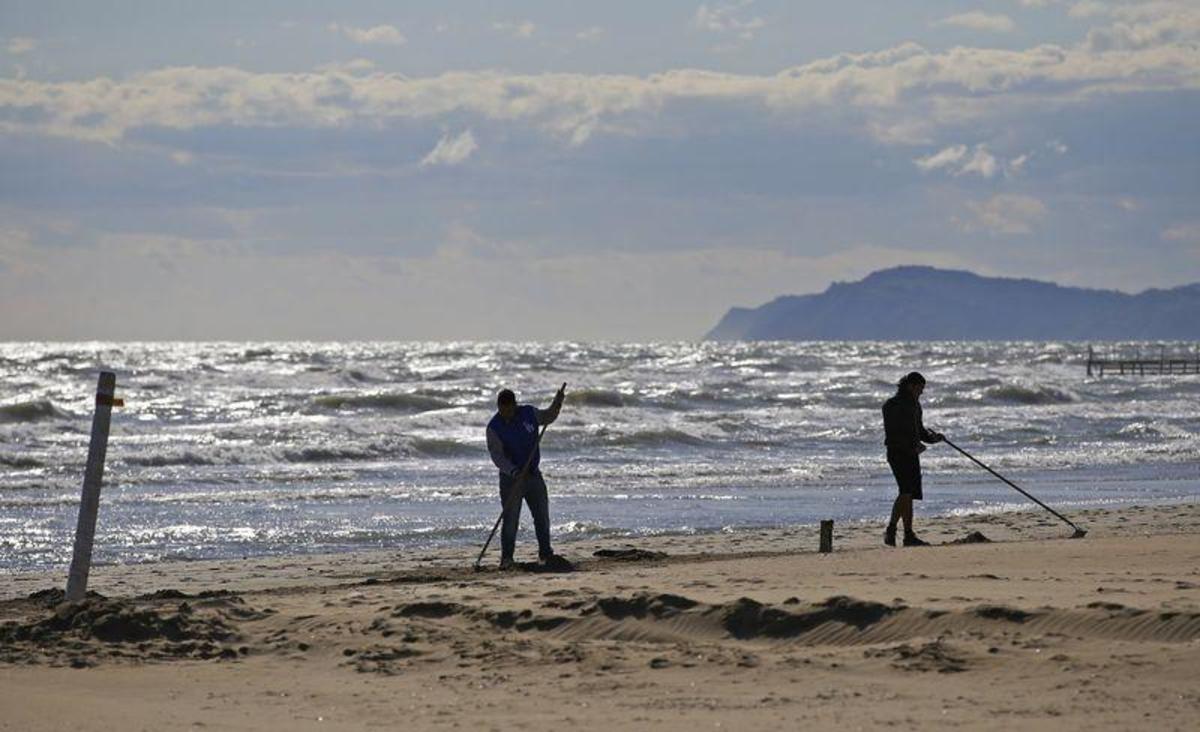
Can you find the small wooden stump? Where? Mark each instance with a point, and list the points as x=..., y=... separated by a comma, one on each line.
x=826, y=537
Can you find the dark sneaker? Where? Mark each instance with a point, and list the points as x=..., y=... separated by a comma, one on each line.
x=889, y=536
x=914, y=540
x=507, y=564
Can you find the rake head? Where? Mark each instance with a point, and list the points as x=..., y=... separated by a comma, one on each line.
x=1079, y=533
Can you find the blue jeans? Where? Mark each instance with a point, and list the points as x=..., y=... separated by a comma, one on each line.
x=534, y=490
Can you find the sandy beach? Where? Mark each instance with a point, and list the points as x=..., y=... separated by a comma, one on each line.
x=751, y=630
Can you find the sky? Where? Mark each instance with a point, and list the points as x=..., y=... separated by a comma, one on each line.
x=556, y=170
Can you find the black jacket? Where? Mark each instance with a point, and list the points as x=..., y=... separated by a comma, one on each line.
x=902, y=427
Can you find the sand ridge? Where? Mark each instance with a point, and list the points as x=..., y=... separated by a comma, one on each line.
x=1103, y=632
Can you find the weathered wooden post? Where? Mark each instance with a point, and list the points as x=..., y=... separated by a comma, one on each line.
x=826, y=536
x=89, y=503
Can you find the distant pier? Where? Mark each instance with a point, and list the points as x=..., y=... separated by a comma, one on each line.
x=1162, y=363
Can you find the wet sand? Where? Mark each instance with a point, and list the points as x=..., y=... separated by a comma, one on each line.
x=751, y=630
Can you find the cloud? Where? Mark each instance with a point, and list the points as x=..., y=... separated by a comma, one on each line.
x=948, y=157
x=980, y=21
x=19, y=45
x=590, y=34
x=516, y=29
x=353, y=66
x=1142, y=26
x=1006, y=213
x=1058, y=147
x=723, y=18
x=387, y=35
x=1015, y=166
x=451, y=150
x=906, y=94
x=980, y=161
x=1188, y=232
x=1088, y=9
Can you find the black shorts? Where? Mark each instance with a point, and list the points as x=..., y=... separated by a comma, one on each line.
x=907, y=469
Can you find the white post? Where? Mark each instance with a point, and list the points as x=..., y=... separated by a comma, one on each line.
x=89, y=504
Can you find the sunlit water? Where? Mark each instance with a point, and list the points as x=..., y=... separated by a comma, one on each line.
x=236, y=449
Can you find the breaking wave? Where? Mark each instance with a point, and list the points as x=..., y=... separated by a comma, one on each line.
x=1031, y=395
x=392, y=401
x=660, y=437
x=599, y=398
x=33, y=411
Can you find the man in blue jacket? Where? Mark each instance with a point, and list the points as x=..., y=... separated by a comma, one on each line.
x=904, y=433
x=512, y=436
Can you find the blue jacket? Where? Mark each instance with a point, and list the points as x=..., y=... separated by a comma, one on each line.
x=510, y=443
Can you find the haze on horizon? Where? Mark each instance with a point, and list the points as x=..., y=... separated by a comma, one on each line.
x=547, y=170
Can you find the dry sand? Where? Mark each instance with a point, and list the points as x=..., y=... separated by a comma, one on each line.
x=744, y=631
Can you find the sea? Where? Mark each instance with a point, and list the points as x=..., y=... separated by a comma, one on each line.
x=231, y=450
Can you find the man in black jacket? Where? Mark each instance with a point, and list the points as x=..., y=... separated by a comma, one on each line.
x=904, y=434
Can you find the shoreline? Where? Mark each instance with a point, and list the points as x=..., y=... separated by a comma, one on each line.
x=1123, y=489
x=1028, y=523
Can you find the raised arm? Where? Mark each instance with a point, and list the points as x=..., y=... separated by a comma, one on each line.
x=547, y=416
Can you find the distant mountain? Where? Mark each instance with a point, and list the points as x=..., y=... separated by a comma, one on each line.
x=924, y=303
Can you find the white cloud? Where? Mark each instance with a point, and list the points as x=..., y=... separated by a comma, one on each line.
x=1016, y=166
x=1188, y=231
x=516, y=29
x=1147, y=25
x=724, y=18
x=1006, y=213
x=353, y=66
x=20, y=45
x=1088, y=9
x=945, y=158
x=958, y=161
x=451, y=150
x=978, y=20
x=982, y=163
x=387, y=35
x=590, y=34
x=903, y=94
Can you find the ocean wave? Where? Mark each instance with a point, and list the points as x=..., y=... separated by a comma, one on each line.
x=599, y=398
x=659, y=437
x=1154, y=430
x=1031, y=395
x=327, y=454
x=182, y=457
x=439, y=447
x=392, y=401
x=31, y=411
x=19, y=461
x=362, y=377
